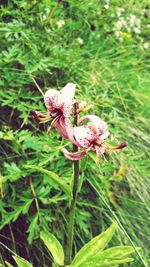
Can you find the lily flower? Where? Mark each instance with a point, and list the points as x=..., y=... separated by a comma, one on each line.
x=59, y=105
x=91, y=137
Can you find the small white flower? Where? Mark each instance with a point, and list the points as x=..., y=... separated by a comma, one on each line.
x=146, y=45
x=118, y=25
x=106, y=6
x=80, y=40
x=120, y=39
x=136, y=30
x=117, y=33
x=137, y=22
x=60, y=23
x=128, y=29
x=120, y=11
x=132, y=19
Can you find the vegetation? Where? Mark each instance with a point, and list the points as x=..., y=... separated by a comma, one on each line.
x=102, y=47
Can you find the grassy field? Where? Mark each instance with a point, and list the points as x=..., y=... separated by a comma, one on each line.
x=103, y=47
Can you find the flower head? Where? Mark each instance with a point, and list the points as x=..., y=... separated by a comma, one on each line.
x=91, y=137
x=60, y=102
x=88, y=137
x=59, y=105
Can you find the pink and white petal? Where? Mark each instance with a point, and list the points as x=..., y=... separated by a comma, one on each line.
x=96, y=125
x=69, y=131
x=53, y=99
x=104, y=136
x=61, y=128
x=67, y=94
x=83, y=135
x=74, y=155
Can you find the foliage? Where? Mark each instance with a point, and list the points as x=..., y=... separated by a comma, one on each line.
x=92, y=254
x=39, y=51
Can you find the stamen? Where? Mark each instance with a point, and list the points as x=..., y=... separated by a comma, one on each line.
x=40, y=117
x=52, y=124
x=110, y=148
x=122, y=145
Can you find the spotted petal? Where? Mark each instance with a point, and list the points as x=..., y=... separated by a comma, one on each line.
x=67, y=94
x=98, y=126
x=60, y=101
x=53, y=100
x=61, y=127
x=83, y=136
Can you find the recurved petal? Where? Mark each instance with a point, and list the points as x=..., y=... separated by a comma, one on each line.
x=69, y=130
x=83, y=136
x=96, y=125
x=53, y=99
x=74, y=155
x=67, y=94
x=61, y=127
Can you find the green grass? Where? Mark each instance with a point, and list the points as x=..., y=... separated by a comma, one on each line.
x=111, y=75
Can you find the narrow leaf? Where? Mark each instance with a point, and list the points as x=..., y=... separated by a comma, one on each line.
x=96, y=245
x=22, y=262
x=118, y=252
x=104, y=262
x=53, y=246
x=8, y=264
x=53, y=177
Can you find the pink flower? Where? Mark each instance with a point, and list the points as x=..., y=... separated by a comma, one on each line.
x=60, y=102
x=59, y=105
x=90, y=137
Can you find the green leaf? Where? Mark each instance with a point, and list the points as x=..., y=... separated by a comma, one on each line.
x=8, y=264
x=80, y=182
x=54, y=178
x=94, y=246
x=110, y=257
x=22, y=262
x=32, y=229
x=53, y=246
x=14, y=173
x=93, y=156
x=98, y=262
x=118, y=252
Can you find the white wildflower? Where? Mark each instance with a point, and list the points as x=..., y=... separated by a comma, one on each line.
x=106, y=4
x=146, y=45
x=120, y=11
x=128, y=29
x=80, y=40
x=118, y=25
x=132, y=19
x=117, y=33
x=60, y=23
x=137, y=22
x=136, y=30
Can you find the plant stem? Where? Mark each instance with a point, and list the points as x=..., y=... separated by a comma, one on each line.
x=73, y=203
x=72, y=213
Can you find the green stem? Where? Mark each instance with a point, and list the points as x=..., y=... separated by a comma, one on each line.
x=72, y=212
x=74, y=200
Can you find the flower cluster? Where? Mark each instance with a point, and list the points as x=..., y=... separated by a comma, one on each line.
x=89, y=135
x=129, y=24
x=106, y=4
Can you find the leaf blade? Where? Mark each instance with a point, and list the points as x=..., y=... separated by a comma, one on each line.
x=22, y=262
x=54, y=246
x=54, y=177
x=94, y=246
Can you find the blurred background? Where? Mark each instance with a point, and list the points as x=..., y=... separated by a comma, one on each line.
x=103, y=47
